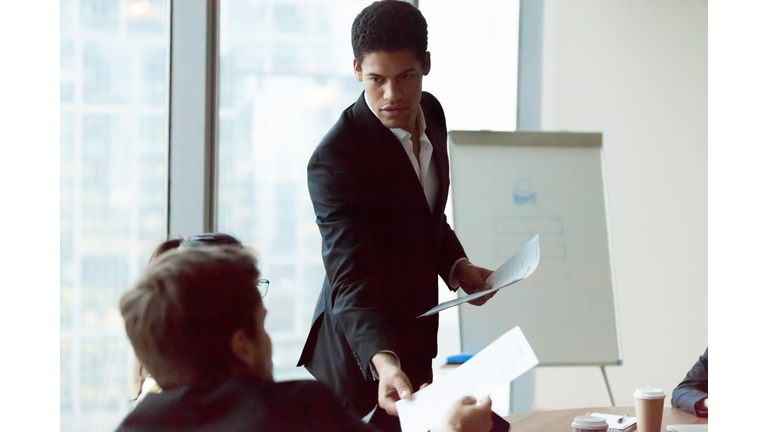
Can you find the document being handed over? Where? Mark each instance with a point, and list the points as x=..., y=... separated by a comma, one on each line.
x=505, y=359
x=517, y=268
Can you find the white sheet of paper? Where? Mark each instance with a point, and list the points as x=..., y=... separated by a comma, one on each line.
x=515, y=269
x=505, y=359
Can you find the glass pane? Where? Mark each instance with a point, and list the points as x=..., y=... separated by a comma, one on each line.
x=286, y=75
x=113, y=93
x=474, y=61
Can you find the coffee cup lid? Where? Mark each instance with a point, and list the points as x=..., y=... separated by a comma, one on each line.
x=649, y=392
x=589, y=422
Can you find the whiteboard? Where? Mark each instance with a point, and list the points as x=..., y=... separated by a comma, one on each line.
x=508, y=187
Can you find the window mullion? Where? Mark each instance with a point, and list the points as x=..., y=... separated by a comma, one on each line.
x=192, y=111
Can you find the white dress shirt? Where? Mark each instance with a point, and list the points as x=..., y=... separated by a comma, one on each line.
x=424, y=168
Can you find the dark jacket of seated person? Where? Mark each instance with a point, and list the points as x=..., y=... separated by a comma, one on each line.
x=692, y=395
x=196, y=323
x=243, y=405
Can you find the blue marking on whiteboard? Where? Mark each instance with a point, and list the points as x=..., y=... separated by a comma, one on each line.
x=524, y=193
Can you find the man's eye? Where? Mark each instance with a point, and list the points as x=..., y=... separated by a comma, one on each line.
x=376, y=79
x=407, y=76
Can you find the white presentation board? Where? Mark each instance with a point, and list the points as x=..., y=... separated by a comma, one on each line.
x=508, y=187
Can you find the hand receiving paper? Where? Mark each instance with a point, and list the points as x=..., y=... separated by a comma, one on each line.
x=466, y=415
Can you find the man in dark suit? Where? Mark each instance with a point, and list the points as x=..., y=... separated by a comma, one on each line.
x=379, y=184
x=196, y=322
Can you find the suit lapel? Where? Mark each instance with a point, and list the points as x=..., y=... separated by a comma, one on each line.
x=386, y=148
x=437, y=136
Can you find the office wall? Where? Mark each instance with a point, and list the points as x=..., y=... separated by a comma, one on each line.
x=636, y=70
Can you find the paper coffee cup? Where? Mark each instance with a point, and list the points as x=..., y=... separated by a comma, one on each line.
x=589, y=424
x=649, y=408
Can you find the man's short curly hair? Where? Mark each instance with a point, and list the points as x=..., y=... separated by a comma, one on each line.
x=389, y=25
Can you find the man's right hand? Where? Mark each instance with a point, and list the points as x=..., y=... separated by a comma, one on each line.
x=393, y=383
x=465, y=415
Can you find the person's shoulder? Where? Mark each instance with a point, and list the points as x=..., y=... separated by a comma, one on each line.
x=427, y=97
x=341, y=133
x=340, y=145
x=429, y=100
x=431, y=106
x=343, y=128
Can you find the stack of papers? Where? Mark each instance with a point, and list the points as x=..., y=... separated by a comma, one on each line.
x=613, y=421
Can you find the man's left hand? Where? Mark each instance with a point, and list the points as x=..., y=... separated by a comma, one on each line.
x=472, y=278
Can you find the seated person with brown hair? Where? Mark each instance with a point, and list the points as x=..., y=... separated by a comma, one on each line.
x=196, y=322
x=692, y=395
x=143, y=382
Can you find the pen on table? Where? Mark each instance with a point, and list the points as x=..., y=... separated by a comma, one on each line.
x=622, y=419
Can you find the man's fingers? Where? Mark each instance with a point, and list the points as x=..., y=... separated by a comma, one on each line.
x=481, y=301
x=472, y=279
x=466, y=415
x=389, y=406
x=388, y=399
x=393, y=386
x=403, y=387
x=423, y=386
x=486, y=402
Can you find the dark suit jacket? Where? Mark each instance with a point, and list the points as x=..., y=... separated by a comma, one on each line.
x=242, y=405
x=694, y=387
x=382, y=249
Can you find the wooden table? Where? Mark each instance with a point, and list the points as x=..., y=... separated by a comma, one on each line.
x=560, y=420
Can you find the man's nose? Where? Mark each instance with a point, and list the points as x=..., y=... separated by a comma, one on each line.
x=392, y=92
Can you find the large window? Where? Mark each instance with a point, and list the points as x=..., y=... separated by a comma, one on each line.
x=113, y=98
x=285, y=77
x=474, y=61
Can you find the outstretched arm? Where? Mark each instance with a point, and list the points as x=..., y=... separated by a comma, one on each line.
x=349, y=252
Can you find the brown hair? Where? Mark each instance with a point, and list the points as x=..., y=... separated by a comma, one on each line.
x=182, y=313
x=205, y=239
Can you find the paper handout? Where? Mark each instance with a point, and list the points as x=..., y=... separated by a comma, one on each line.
x=505, y=359
x=517, y=268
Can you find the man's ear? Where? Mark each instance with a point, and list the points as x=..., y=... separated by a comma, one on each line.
x=426, y=63
x=243, y=348
x=358, y=70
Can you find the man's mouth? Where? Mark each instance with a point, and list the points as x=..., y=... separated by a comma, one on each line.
x=393, y=111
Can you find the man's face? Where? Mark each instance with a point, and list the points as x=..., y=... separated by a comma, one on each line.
x=392, y=82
